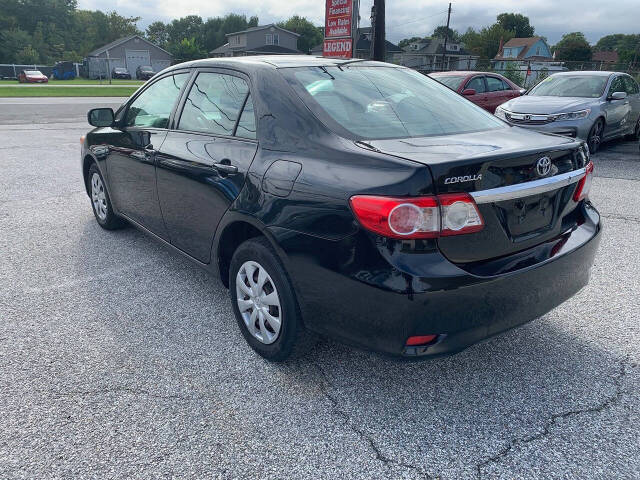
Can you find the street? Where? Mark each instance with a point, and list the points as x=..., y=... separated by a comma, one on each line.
x=120, y=359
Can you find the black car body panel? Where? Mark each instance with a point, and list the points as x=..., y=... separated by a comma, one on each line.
x=293, y=184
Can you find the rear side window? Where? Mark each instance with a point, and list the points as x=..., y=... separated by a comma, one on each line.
x=247, y=123
x=494, y=84
x=506, y=86
x=153, y=107
x=214, y=104
x=477, y=83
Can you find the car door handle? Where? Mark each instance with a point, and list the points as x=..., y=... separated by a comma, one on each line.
x=225, y=166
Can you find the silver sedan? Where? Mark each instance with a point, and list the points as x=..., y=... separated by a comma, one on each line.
x=593, y=106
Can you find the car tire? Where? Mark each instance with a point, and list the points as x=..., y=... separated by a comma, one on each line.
x=255, y=275
x=595, y=136
x=636, y=132
x=100, y=201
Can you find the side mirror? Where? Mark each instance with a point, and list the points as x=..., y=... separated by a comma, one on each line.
x=618, y=96
x=467, y=92
x=523, y=91
x=100, y=117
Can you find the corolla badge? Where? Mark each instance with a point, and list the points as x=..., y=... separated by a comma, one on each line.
x=465, y=178
x=543, y=166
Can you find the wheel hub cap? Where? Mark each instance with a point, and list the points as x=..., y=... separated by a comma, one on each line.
x=98, y=197
x=258, y=302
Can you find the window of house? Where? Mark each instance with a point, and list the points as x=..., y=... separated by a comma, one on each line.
x=214, y=104
x=268, y=39
x=276, y=39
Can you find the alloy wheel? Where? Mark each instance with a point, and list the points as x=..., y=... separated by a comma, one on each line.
x=258, y=302
x=594, y=137
x=98, y=197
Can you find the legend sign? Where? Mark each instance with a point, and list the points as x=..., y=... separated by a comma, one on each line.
x=339, y=28
x=337, y=47
x=338, y=18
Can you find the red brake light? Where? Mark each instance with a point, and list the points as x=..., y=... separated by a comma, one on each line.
x=420, y=340
x=418, y=217
x=584, y=185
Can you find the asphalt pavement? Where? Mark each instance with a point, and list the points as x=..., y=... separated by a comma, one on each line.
x=119, y=359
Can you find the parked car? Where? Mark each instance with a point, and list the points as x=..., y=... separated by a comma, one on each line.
x=144, y=72
x=357, y=199
x=32, y=76
x=63, y=71
x=120, y=72
x=487, y=90
x=594, y=106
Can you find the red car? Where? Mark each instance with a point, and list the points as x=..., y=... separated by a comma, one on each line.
x=487, y=90
x=32, y=76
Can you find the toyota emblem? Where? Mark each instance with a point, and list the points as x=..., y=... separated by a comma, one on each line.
x=543, y=166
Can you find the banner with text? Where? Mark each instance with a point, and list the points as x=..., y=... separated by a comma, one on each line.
x=338, y=29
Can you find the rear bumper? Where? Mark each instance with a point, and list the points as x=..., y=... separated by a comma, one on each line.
x=366, y=294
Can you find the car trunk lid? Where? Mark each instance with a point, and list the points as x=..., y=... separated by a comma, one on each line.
x=523, y=183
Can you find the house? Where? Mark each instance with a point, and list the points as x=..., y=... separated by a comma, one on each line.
x=605, y=57
x=127, y=52
x=532, y=56
x=363, y=46
x=427, y=55
x=261, y=40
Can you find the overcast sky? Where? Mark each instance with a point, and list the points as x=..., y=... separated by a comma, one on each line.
x=407, y=18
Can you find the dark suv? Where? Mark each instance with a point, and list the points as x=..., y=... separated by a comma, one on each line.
x=356, y=199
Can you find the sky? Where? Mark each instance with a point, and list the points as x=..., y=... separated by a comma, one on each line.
x=406, y=18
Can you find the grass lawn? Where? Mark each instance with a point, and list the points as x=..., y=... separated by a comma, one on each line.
x=79, y=91
x=81, y=81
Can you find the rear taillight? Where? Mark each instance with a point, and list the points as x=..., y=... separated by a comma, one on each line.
x=584, y=185
x=418, y=217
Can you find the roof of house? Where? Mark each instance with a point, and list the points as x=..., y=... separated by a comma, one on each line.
x=364, y=43
x=527, y=43
x=264, y=27
x=115, y=43
x=605, y=56
x=274, y=49
x=221, y=49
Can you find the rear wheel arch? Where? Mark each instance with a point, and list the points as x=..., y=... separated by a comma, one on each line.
x=235, y=232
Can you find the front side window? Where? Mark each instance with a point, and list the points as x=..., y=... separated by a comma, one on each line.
x=152, y=108
x=214, y=104
x=385, y=102
x=617, y=86
x=477, y=83
x=571, y=86
x=494, y=84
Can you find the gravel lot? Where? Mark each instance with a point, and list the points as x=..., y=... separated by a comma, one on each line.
x=119, y=359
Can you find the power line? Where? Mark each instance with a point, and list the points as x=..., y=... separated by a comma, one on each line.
x=418, y=20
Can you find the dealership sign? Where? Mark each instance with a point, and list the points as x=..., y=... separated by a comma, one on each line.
x=338, y=18
x=339, y=28
x=337, y=47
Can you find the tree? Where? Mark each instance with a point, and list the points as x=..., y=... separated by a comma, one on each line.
x=157, y=33
x=11, y=42
x=186, y=49
x=189, y=27
x=406, y=41
x=441, y=31
x=627, y=46
x=27, y=56
x=512, y=72
x=516, y=23
x=486, y=42
x=573, y=47
x=310, y=35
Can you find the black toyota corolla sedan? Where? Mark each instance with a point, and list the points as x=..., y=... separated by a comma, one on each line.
x=356, y=199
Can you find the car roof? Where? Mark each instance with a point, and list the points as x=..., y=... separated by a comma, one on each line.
x=278, y=61
x=586, y=73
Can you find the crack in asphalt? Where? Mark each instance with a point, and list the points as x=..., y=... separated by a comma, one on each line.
x=626, y=218
x=324, y=385
x=546, y=428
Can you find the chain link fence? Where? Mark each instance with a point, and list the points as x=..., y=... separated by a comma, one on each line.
x=526, y=73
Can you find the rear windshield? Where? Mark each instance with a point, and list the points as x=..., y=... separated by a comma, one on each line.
x=571, y=86
x=451, y=81
x=385, y=102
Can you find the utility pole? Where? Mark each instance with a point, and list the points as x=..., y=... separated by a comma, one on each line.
x=446, y=37
x=378, y=46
